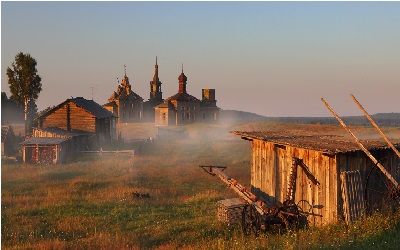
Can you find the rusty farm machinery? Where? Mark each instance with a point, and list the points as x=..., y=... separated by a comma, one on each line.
x=259, y=215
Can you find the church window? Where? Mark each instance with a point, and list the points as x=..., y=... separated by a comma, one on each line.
x=188, y=116
x=163, y=116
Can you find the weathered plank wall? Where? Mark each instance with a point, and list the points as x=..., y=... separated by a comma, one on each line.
x=270, y=171
x=70, y=116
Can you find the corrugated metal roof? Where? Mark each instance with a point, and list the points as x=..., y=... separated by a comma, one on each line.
x=308, y=140
x=44, y=141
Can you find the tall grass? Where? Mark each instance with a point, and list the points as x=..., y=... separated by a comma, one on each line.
x=89, y=205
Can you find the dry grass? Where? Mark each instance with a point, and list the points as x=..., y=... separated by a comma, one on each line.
x=89, y=204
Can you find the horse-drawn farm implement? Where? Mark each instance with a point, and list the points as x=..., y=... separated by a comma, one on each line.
x=258, y=215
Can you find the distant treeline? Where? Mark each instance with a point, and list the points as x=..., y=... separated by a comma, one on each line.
x=382, y=119
x=10, y=111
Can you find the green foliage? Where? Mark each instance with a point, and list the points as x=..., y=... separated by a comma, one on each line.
x=23, y=80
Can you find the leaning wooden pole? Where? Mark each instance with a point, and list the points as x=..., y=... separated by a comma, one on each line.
x=375, y=125
x=388, y=175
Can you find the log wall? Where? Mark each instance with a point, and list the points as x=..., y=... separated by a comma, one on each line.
x=270, y=171
x=70, y=116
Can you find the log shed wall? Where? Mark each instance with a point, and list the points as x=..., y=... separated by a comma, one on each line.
x=270, y=172
x=69, y=116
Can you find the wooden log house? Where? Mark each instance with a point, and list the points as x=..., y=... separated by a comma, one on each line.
x=79, y=114
x=326, y=158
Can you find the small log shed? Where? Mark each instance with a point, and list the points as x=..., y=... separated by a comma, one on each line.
x=326, y=156
x=46, y=150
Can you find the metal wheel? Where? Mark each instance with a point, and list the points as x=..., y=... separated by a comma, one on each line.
x=251, y=220
x=381, y=195
x=290, y=214
x=306, y=211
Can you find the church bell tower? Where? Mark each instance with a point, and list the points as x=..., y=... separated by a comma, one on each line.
x=155, y=86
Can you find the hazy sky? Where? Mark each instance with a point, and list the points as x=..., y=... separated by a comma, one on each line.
x=270, y=58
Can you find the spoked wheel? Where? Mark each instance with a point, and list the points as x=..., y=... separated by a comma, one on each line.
x=251, y=220
x=381, y=195
x=307, y=216
x=290, y=214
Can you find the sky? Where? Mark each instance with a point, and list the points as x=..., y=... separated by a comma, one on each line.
x=269, y=58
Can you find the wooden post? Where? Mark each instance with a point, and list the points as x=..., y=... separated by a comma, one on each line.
x=382, y=168
x=376, y=126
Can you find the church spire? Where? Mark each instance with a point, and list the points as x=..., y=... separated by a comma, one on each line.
x=155, y=85
x=182, y=82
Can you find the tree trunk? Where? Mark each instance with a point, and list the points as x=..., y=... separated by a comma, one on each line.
x=26, y=114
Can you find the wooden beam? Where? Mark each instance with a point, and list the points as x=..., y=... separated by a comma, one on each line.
x=382, y=168
x=376, y=126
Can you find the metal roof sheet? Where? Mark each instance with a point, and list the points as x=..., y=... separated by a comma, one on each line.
x=310, y=140
x=61, y=131
x=44, y=141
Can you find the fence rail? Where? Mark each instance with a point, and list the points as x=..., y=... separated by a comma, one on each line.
x=122, y=153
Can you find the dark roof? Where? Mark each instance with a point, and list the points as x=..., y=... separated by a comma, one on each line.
x=308, y=140
x=44, y=141
x=110, y=104
x=63, y=132
x=183, y=97
x=89, y=105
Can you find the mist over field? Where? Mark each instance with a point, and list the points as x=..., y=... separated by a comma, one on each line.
x=160, y=198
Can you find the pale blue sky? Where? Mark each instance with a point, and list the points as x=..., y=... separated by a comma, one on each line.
x=271, y=58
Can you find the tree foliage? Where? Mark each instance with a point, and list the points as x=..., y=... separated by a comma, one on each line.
x=24, y=81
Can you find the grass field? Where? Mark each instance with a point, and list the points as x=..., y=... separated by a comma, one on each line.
x=89, y=204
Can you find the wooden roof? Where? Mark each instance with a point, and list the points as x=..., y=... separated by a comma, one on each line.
x=89, y=105
x=331, y=144
x=44, y=141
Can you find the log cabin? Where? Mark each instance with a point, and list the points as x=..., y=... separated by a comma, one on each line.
x=79, y=114
x=325, y=158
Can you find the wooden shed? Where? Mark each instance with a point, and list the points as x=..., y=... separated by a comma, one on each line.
x=325, y=157
x=42, y=150
x=81, y=115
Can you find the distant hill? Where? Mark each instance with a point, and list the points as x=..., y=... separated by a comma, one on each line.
x=234, y=116
x=382, y=119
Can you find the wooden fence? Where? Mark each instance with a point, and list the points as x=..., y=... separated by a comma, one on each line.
x=117, y=153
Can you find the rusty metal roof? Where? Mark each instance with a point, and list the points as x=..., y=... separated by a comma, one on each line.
x=331, y=144
x=44, y=141
x=63, y=132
